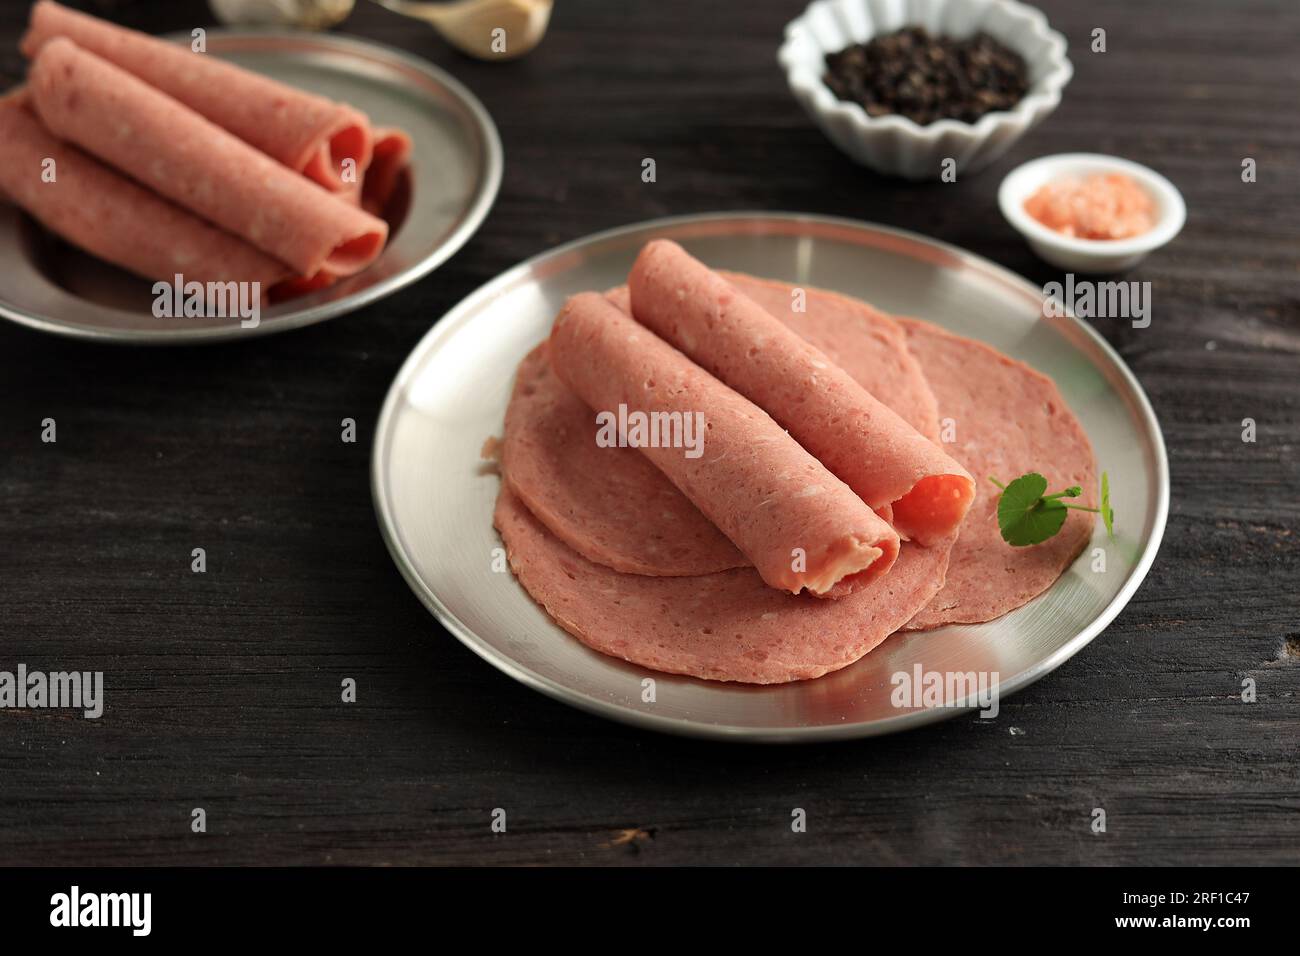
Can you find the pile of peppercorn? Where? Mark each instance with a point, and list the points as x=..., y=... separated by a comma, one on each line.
x=928, y=78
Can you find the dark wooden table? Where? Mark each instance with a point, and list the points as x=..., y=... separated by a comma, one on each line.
x=223, y=688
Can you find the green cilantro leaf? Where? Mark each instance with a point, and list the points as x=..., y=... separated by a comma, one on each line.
x=1024, y=515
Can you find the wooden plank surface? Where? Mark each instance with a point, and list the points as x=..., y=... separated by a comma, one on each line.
x=223, y=688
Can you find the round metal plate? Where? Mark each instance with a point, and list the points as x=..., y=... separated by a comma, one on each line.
x=452, y=182
x=434, y=497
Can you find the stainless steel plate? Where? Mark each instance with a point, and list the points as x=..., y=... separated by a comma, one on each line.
x=453, y=179
x=434, y=498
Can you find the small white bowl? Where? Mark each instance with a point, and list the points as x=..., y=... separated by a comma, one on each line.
x=893, y=144
x=1089, y=255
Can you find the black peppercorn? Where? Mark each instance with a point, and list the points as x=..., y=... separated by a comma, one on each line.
x=927, y=78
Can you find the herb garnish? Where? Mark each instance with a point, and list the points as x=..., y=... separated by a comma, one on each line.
x=1026, y=515
x=1107, y=513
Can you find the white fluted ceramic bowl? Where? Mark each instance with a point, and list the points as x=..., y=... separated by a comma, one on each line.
x=893, y=144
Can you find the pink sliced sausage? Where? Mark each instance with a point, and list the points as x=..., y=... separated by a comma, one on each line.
x=307, y=133
x=886, y=461
x=728, y=626
x=609, y=504
x=103, y=212
x=198, y=165
x=860, y=339
x=985, y=390
x=392, y=154
x=597, y=500
x=801, y=526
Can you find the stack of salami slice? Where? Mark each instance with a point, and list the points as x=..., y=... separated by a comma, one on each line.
x=169, y=161
x=825, y=507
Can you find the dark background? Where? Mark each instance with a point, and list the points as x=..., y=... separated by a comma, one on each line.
x=223, y=689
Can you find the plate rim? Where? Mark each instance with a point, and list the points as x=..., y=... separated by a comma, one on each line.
x=449, y=323
x=483, y=200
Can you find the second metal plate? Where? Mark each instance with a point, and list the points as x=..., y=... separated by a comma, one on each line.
x=453, y=179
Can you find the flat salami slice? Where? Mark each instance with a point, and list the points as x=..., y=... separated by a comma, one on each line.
x=308, y=133
x=801, y=526
x=886, y=461
x=728, y=626
x=158, y=142
x=99, y=210
x=1010, y=420
x=608, y=504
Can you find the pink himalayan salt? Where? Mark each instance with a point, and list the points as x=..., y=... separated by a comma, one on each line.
x=1103, y=206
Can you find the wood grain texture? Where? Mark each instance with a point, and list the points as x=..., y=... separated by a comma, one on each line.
x=223, y=688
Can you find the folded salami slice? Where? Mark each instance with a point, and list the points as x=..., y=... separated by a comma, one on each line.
x=305, y=132
x=103, y=212
x=728, y=626
x=197, y=164
x=801, y=526
x=886, y=461
x=985, y=390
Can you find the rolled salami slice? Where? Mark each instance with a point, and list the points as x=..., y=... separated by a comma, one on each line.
x=307, y=133
x=596, y=500
x=857, y=337
x=392, y=154
x=99, y=210
x=801, y=526
x=164, y=145
x=886, y=461
x=609, y=504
